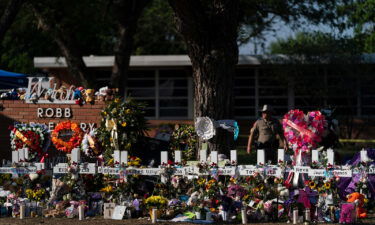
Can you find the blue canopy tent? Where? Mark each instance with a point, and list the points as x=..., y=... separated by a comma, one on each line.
x=9, y=80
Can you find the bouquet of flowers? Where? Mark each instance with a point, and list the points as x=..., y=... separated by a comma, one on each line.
x=36, y=195
x=156, y=201
x=303, y=132
x=185, y=139
x=123, y=124
x=134, y=161
x=34, y=137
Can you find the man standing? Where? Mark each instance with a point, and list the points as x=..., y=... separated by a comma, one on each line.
x=265, y=131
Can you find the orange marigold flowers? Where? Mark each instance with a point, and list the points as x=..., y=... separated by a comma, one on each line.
x=74, y=141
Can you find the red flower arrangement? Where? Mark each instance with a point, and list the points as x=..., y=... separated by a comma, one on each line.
x=74, y=141
x=27, y=136
x=303, y=131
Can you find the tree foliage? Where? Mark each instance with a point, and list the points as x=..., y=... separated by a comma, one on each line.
x=360, y=15
x=91, y=26
x=157, y=34
x=260, y=16
x=317, y=44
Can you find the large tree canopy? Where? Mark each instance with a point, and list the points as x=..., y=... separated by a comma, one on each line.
x=211, y=30
x=92, y=27
x=360, y=15
x=317, y=44
x=9, y=14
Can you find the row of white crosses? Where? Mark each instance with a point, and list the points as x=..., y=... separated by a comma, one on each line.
x=121, y=158
x=75, y=158
x=281, y=156
x=20, y=156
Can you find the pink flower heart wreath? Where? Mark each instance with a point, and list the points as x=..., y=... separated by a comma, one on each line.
x=303, y=132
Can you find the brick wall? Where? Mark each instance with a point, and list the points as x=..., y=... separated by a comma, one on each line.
x=19, y=111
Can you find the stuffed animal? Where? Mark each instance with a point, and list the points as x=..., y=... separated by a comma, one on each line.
x=48, y=94
x=283, y=191
x=14, y=94
x=89, y=95
x=77, y=94
x=72, y=210
x=4, y=96
x=347, y=214
x=109, y=95
x=101, y=93
x=61, y=93
x=304, y=199
x=193, y=198
x=21, y=93
x=358, y=198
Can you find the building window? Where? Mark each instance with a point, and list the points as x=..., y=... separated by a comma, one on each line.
x=141, y=87
x=273, y=90
x=367, y=97
x=166, y=92
x=244, y=93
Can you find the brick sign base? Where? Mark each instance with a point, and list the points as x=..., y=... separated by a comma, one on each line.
x=12, y=111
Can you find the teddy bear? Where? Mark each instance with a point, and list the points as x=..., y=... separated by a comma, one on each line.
x=101, y=93
x=283, y=192
x=89, y=96
x=61, y=93
x=21, y=93
x=358, y=198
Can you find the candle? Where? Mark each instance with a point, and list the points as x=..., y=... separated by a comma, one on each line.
x=295, y=216
x=22, y=211
x=81, y=212
x=307, y=215
x=244, y=216
x=154, y=215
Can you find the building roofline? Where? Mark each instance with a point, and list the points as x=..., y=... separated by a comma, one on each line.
x=184, y=60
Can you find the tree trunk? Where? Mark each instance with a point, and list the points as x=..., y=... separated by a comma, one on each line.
x=73, y=57
x=210, y=31
x=9, y=15
x=127, y=13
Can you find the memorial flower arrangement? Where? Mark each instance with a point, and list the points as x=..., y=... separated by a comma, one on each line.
x=184, y=138
x=158, y=202
x=107, y=189
x=34, y=137
x=303, y=131
x=322, y=185
x=74, y=183
x=123, y=124
x=36, y=195
x=66, y=136
x=134, y=161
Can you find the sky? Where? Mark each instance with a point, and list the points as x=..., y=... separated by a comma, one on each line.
x=283, y=31
x=250, y=48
